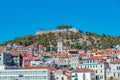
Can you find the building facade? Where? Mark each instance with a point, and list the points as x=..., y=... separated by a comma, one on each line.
x=59, y=46
x=60, y=75
x=113, y=71
x=26, y=60
x=83, y=74
x=95, y=64
x=74, y=61
x=25, y=74
x=5, y=59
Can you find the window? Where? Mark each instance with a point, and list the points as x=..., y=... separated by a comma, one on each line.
x=101, y=65
x=76, y=75
x=101, y=71
x=62, y=78
x=101, y=77
x=114, y=74
x=93, y=66
x=84, y=76
x=90, y=66
x=118, y=68
x=96, y=71
x=56, y=77
x=76, y=78
x=118, y=74
x=90, y=61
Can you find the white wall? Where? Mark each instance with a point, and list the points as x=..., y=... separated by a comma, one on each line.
x=80, y=76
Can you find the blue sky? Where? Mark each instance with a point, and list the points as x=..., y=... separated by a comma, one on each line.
x=23, y=17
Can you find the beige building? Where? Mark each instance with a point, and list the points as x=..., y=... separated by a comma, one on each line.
x=61, y=75
x=74, y=61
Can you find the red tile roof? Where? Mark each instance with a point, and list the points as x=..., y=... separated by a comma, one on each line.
x=94, y=58
x=73, y=50
x=42, y=67
x=81, y=55
x=61, y=55
x=83, y=70
x=117, y=61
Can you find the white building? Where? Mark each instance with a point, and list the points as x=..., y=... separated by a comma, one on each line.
x=97, y=65
x=37, y=63
x=26, y=74
x=59, y=46
x=113, y=70
x=83, y=74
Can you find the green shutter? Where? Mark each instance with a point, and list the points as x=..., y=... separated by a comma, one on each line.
x=76, y=76
x=114, y=74
x=93, y=66
x=90, y=66
x=101, y=77
x=62, y=78
x=96, y=71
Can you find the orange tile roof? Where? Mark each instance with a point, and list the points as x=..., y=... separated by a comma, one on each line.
x=63, y=54
x=117, y=61
x=81, y=55
x=14, y=52
x=83, y=70
x=117, y=51
x=30, y=46
x=94, y=58
x=42, y=67
x=66, y=69
x=73, y=50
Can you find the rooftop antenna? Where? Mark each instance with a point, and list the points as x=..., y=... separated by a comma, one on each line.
x=65, y=22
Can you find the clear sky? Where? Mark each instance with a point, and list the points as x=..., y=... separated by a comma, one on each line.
x=22, y=17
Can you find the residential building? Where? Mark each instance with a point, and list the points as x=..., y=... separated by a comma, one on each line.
x=95, y=63
x=74, y=61
x=37, y=63
x=83, y=74
x=16, y=58
x=63, y=60
x=61, y=75
x=26, y=60
x=5, y=59
x=113, y=71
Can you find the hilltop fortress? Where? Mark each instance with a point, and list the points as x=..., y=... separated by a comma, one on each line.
x=54, y=31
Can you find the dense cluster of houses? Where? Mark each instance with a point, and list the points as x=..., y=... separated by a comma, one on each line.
x=32, y=62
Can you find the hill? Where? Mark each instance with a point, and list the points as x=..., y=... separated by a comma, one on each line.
x=75, y=39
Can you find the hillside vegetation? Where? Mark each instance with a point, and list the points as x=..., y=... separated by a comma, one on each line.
x=78, y=39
